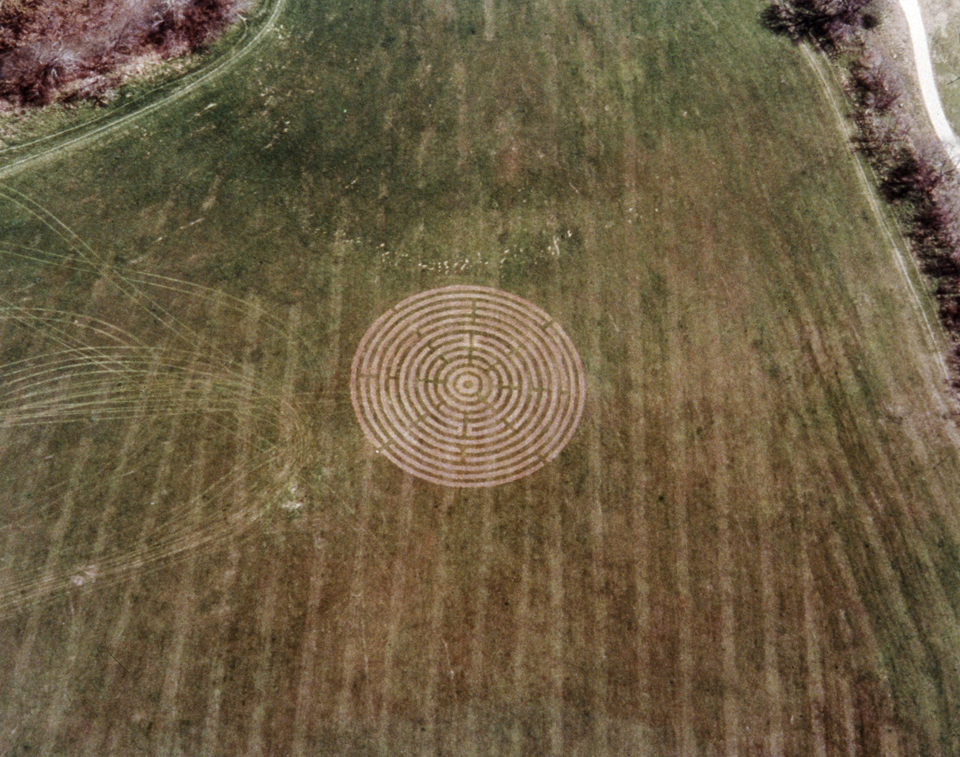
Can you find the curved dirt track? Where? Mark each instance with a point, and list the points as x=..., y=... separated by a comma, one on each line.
x=18, y=157
x=928, y=84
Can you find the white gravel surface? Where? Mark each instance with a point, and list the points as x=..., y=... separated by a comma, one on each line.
x=928, y=84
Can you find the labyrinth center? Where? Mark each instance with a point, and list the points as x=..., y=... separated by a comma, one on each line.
x=467, y=386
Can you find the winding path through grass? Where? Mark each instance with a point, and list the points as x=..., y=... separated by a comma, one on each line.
x=30, y=152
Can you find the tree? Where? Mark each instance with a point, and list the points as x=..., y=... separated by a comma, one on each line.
x=833, y=24
x=68, y=49
x=875, y=84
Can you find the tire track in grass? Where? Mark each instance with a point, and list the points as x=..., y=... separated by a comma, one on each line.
x=7, y=329
x=821, y=474
x=135, y=286
x=59, y=142
x=94, y=741
x=755, y=465
x=722, y=493
x=905, y=531
x=886, y=492
x=708, y=476
x=686, y=733
x=905, y=262
x=81, y=638
x=714, y=708
x=772, y=678
x=637, y=485
x=833, y=477
x=210, y=737
x=352, y=678
x=770, y=569
x=814, y=674
x=558, y=622
x=830, y=468
x=885, y=564
x=523, y=622
x=28, y=483
x=355, y=649
x=552, y=499
x=887, y=511
x=185, y=607
x=489, y=20
x=24, y=653
x=844, y=584
x=922, y=531
x=437, y=648
x=590, y=438
x=849, y=736
x=641, y=530
x=185, y=596
x=22, y=590
x=479, y=633
x=851, y=471
x=153, y=378
x=322, y=567
x=885, y=517
x=257, y=743
x=677, y=396
x=894, y=525
x=657, y=645
x=460, y=79
x=307, y=684
x=399, y=587
x=62, y=689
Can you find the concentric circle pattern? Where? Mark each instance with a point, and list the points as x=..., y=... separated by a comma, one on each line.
x=467, y=386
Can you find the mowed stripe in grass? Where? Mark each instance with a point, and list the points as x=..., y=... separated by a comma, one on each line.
x=747, y=546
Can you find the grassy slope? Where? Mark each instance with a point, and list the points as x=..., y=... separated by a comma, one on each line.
x=752, y=539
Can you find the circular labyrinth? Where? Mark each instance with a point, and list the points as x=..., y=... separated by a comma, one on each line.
x=467, y=386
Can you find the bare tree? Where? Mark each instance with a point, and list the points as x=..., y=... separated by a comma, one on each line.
x=47, y=46
x=875, y=84
x=914, y=175
x=912, y=179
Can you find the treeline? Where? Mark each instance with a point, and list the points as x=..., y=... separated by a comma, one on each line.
x=915, y=173
x=833, y=24
x=76, y=49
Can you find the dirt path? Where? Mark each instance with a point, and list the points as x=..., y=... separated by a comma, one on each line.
x=905, y=264
x=26, y=153
x=928, y=84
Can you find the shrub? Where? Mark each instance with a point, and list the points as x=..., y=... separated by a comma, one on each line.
x=46, y=45
x=833, y=24
x=916, y=177
x=874, y=84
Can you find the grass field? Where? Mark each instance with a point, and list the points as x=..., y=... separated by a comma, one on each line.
x=751, y=545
